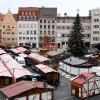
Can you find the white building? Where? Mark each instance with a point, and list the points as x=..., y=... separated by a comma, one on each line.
x=28, y=33
x=95, y=26
x=28, y=26
x=64, y=27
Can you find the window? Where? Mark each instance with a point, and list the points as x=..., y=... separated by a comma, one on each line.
x=34, y=31
x=26, y=13
x=63, y=35
x=20, y=32
x=95, y=32
x=20, y=17
x=20, y=38
x=4, y=39
x=8, y=32
x=40, y=26
x=67, y=35
x=4, y=32
x=31, y=32
x=63, y=21
x=63, y=27
x=45, y=21
x=27, y=38
x=40, y=20
x=95, y=26
x=48, y=26
x=27, y=17
x=13, y=39
x=23, y=17
x=31, y=38
x=40, y=32
x=40, y=38
x=27, y=32
x=31, y=17
x=53, y=21
x=95, y=38
x=48, y=32
x=12, y=26
x=96, y=20
x=12, y=32
x=44, y=26
x=44, y=32
x=58, y=27
x=4, y=26
x=23, y=38
x=48, y=21
x=8, y=39
x=52, y=32
x=34, y=38
x=52, y=26
x=8, y=26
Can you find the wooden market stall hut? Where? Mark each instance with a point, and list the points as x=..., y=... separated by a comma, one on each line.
x=56, y=56
x=5, y=76
x=16, y=71
x=50, y=75
x=85, y=85
x=27, y=90
x=35, y=59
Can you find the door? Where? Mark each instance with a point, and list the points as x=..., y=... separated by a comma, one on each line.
x=77, y=91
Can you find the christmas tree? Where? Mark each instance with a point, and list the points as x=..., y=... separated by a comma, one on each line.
x=76, y=45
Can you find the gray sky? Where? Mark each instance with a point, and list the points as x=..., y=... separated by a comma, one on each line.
x=68, y=6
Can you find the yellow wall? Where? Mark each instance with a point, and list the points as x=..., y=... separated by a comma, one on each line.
x=10, y=26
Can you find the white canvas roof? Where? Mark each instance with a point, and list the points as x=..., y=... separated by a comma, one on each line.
x=14, y=67
x=75, y=61
x=4, y=71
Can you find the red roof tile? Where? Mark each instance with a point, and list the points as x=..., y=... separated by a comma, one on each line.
x=82, y=78
x=22, y=86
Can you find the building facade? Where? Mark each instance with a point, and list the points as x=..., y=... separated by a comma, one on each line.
x=28, y=26
x=32, y=24
x=9, y=30
x=95, y=26
x=64, y=27
x=47, y=24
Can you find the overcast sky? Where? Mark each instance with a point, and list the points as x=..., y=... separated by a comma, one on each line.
x=69, y=6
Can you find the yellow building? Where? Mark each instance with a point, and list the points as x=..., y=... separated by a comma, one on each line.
x=9, y=30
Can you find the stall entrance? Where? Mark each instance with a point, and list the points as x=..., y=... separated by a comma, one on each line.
x=77, y=91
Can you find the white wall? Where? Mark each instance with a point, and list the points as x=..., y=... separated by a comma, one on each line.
x=29, y=26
